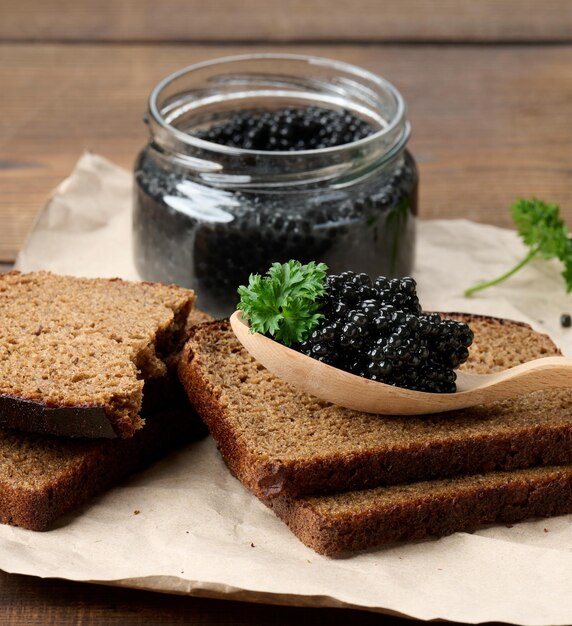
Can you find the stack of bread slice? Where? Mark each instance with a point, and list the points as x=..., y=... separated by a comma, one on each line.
x=88, y=387
x=345, y=481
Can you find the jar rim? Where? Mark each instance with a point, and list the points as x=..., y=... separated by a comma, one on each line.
x=192, y=140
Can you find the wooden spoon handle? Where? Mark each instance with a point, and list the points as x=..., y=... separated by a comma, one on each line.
x=544, y=373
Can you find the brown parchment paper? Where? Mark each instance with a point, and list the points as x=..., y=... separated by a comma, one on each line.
x=199, y=532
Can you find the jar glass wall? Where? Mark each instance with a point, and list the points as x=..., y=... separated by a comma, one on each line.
x=206, y=215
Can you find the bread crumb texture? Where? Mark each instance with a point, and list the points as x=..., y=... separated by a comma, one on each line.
x=67, y=341
x=278, y=440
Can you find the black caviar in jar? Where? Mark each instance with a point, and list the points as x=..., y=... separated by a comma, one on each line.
x=210, y=233
x=312, y=128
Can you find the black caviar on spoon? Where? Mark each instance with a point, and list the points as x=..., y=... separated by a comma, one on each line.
x=377, y=330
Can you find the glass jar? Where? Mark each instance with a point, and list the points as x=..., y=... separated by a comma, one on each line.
x=206, y=215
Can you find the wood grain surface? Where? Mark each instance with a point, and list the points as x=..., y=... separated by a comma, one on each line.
x=489, y=123
x=287, y=20
x=28, y=601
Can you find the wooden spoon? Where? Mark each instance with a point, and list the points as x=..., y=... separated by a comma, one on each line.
x=354, y=392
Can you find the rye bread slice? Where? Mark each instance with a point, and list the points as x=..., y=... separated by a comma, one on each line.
x=280, y=442
x=43, y=477
x=357, y=520
x=75, y=353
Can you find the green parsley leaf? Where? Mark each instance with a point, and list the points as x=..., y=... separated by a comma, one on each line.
x=284, y=304
x=544, y=232
x=541, y=227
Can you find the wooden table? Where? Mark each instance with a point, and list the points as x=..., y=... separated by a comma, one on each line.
x=489, y=89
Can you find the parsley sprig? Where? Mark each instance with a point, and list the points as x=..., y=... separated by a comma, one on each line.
x=544, y=232
x=285, y=303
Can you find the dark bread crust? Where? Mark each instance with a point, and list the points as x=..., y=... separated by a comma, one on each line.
x=425, y=509
x=91, y=467
x=67, y=421
x=508, y=447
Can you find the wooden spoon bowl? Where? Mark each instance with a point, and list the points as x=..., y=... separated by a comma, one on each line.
x=354, y=392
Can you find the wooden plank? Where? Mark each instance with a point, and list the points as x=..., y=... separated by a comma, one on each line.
x=28, y=601
x=489, y=123
x=286, y=21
